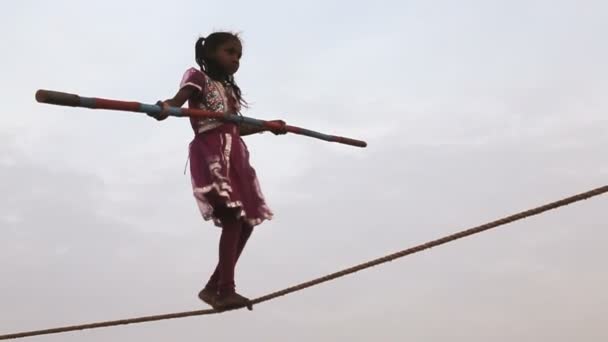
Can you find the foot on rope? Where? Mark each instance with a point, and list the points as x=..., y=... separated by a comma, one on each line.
x=209, y=296
x=232, y=300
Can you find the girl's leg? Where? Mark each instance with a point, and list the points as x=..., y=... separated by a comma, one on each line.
x=229, y=242
x=212, y=284
x=220, y=290
x=230, y=236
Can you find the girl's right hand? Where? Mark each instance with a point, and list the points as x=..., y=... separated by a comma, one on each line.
x=164, y=113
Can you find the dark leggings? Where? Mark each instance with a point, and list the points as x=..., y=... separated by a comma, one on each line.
x=235, y=234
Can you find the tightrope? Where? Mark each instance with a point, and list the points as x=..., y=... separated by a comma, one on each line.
x=390, y=257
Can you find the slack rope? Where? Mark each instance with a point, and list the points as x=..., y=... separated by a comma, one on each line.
x=385, y=259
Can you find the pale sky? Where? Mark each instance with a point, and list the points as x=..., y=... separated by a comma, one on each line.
x=472, y=110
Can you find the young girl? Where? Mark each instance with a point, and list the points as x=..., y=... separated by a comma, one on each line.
x=225, y=185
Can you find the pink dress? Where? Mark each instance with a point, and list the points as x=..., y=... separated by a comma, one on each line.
x=219, y=159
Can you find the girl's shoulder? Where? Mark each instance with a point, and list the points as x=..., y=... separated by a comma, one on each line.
x=195, y=71
x=195, y=78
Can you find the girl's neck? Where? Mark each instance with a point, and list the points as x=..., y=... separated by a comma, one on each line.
x=216, y=73
x=217, y=76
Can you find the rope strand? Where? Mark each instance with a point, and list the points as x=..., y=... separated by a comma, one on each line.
x=390, y=257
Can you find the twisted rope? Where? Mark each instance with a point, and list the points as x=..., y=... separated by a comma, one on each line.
x=390, y=257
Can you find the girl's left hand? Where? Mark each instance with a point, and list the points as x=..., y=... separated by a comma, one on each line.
x=278, y=131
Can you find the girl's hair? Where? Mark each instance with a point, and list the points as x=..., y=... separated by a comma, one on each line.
x=204, y=47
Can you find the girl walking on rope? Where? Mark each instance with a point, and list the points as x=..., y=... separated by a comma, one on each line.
x=224, y=183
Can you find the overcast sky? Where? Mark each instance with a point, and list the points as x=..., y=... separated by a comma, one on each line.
x=472, y=110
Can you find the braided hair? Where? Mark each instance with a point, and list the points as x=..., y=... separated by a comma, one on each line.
x=204, y=48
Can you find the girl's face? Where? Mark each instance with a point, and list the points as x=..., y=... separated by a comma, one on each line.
x=228, y=56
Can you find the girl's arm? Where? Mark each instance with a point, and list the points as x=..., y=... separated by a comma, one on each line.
x=186, y=92
x=245, y=129
x=177, y=101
